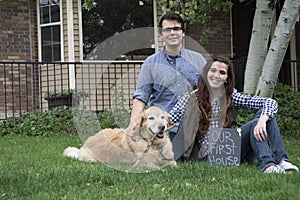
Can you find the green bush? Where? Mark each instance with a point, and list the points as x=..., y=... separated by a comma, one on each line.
x=66, y=92
x=244, y=116
x=288, y=111
x=61, y=120
x=56, y=121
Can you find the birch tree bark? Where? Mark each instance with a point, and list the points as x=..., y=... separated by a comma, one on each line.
x=279, y=44
x=258, y=48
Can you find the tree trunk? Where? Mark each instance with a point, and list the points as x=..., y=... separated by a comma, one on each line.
x=282, y=35
x=258, y=48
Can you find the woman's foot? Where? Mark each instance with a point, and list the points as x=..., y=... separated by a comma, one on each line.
x=288, y=167
x=274, y=169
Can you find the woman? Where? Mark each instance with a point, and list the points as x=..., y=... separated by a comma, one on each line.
x=217, y=100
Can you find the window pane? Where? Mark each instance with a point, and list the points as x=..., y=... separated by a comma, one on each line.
x=56, y=52
x=56, y=34
x=51, y=46
x=55, y=13
x=47, y=53
x=44, y=2
x=46, y=35
x=44, y=12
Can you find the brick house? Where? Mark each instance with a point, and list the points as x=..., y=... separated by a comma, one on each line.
x=52, y=30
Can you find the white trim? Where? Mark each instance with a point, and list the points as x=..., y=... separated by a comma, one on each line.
x=62, y=57
x=70, y=31
x=80, y=30
x=50, y=24
x=39, y=26
x=39, y=31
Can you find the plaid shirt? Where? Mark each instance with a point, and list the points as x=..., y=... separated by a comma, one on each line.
x=240, y=101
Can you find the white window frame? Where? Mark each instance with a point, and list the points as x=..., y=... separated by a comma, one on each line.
x=40, y=26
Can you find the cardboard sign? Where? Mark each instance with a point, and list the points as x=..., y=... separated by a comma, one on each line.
x=225, y=147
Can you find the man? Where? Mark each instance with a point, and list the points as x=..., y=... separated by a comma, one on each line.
x=168, y=74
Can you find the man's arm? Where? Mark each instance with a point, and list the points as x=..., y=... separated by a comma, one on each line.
x=137, y=108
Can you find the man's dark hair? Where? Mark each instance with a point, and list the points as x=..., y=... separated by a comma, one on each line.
x=171, y=16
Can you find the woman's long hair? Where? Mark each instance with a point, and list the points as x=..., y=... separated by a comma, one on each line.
x=204, y=96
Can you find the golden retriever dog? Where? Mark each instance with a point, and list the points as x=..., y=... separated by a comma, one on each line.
x=145, y=142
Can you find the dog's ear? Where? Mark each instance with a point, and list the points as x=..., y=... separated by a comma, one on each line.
x=169, y=120
x=167, y=116
x=141, y=118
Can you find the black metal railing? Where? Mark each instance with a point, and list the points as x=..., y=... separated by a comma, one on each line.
x=30, y=86
x=33, y=86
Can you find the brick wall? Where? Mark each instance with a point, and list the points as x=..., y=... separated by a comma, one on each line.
x=18, y=43
x=220, y=40
x=18, y=31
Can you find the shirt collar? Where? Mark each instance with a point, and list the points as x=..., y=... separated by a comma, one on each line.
x=180, y=53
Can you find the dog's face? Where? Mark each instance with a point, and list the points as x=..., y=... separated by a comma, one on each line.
x=154, y=121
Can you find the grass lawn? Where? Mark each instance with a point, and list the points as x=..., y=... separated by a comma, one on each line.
x=34, y=168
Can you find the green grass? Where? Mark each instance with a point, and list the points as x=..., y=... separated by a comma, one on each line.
x=34, y=168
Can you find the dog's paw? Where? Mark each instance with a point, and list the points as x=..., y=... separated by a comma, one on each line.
x=71, y=152
x=173, y=163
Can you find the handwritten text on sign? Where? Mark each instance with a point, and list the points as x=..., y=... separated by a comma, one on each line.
x=225, y=147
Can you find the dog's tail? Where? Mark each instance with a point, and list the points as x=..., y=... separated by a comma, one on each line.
x=71, y=152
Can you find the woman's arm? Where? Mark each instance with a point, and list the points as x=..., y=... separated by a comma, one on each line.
x=178, y=110
x=269, y=109
x=242, y=101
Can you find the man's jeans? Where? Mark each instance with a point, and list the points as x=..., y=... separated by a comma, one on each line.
x=268, y=152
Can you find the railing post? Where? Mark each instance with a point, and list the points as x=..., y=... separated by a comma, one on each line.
x=72, y=81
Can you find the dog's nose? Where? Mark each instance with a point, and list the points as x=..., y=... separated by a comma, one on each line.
x=161, y=128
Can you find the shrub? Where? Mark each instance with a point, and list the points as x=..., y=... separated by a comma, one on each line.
x=61, y=120
x=106, y=119
x=288, y=111
x=66, y=92
x=56, y=121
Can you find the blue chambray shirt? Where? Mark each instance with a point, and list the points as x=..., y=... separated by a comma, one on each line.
x=162, y=80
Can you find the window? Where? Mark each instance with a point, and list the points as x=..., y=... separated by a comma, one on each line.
x=109, y=17
x=49, y=13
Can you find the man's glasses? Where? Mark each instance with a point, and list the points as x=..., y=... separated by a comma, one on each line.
x=168, y=30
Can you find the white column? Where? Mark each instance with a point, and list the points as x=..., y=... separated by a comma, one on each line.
x=71, y=57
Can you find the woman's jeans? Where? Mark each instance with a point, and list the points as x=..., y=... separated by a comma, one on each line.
x=269, y=151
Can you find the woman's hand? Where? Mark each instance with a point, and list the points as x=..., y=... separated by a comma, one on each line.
x=260, y=130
